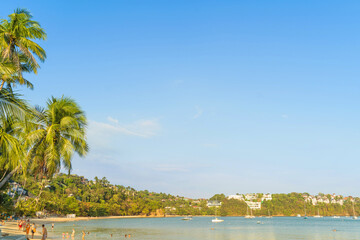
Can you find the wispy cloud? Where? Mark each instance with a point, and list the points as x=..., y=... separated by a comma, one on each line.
x=199, y=112
x=141, y=128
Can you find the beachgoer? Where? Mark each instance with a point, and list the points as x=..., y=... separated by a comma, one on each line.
x=63, y=235
x=83, y=235
x=44, y=232
x=33, y=230
x=27, y=229
x=129, y=236
x=73, y=234
x=52, y=226
x=67, y=235
x=126, y=235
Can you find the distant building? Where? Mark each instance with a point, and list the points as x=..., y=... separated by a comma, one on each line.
x=170, y=208
x=40, y=213
x=213, y=203
x=266, y=197
x=16, y=189
x=254, y=205
x=238, y=197
x=251, y=196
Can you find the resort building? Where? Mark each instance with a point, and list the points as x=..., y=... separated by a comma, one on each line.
x=315, y=200
x=253, y=205
x=238, y=197
x=251, y=196
x=266, y=197
x=213, y=203
x=16, y=189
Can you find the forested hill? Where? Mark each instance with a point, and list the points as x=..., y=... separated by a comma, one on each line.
x=72, y=194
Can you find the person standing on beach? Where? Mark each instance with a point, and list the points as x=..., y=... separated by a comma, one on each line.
x=33, y=230
x=73, y=234
x=44, y=232
x=52, y=227
x=83, y=235
x=27, y=229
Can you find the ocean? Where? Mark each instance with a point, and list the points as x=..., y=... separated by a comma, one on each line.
x=199, y=228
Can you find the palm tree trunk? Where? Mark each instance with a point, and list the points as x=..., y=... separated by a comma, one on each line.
x=8, y=176
x=2, y=85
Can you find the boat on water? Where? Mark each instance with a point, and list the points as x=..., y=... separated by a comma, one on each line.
x=247, y=213
x=268, y=216
x=354, y=215
x=298, y=215
x=318, y=215
x=217, y=220
x=335, y=217
x=305, y=217
x=186, y=218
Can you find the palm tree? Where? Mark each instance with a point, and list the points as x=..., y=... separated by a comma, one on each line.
x=10, y=75
x=16, y=42
x=13, y=110
x=59, y=132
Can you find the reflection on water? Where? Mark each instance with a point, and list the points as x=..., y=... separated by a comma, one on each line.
x=202, y=228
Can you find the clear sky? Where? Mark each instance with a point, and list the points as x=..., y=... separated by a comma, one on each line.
x=201, y=97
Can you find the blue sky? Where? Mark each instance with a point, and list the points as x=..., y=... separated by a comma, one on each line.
x=201, y=97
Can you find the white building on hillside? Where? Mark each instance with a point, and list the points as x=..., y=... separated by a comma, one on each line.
x=254, y=205
x=266, y=197
x=213, y=203
x=238, y=197
x=251, y=196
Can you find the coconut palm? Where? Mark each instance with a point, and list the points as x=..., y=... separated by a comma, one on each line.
x=13, y=110
x=58, y=133
x=16, y=42
x=10, y=75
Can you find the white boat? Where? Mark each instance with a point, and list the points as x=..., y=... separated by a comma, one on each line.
x=217, y=220
x=186, y=218
x=335, y=217
x=269, y=216
x=247, y=213
x=318, y=215
x=354, y=215
x=298, y=215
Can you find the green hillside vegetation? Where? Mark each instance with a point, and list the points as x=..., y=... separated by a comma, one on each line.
x=72, y=194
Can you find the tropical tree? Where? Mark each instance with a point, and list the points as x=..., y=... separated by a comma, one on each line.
x=58, y=132
x=17, y=45
x=13, y=110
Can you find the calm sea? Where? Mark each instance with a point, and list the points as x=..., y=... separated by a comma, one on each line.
x=202, y=228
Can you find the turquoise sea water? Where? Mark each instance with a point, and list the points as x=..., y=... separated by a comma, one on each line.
x=199, y=228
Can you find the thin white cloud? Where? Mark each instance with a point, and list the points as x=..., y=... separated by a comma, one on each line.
x=141, y=128
x=199, y=112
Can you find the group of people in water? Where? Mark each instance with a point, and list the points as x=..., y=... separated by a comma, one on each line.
x=30, y=229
